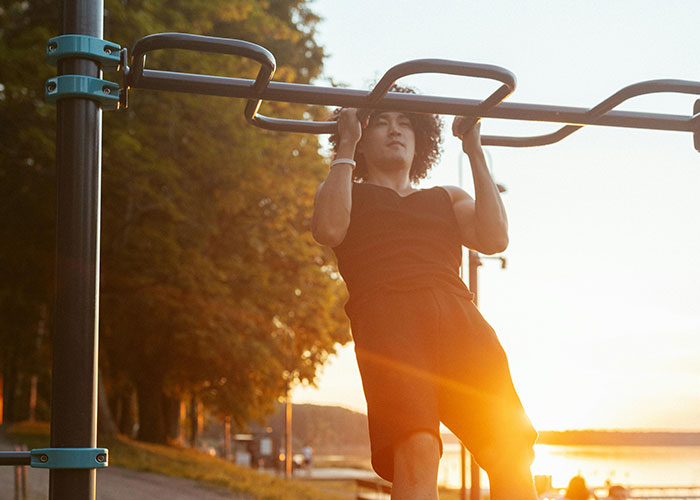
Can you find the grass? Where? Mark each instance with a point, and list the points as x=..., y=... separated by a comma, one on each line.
x=187, y=463
x=350, y=462
x=192, y=464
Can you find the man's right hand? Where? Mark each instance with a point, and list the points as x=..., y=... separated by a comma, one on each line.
x=349, y=127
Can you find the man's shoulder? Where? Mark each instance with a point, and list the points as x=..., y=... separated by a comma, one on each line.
x=456, y=193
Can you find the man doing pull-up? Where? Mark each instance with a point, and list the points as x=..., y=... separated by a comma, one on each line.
x=425, y=353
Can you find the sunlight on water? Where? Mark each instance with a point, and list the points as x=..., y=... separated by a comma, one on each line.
x=627, y=465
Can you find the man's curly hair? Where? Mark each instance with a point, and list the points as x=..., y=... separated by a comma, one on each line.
x=428, y=132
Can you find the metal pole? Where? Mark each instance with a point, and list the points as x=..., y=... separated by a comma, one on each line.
x=17, y=479
x=78, y=166
x=24, y=476
x=288, y=434
x=474, y=263
x=463, y=471
x=227, y=438
x=462, y=449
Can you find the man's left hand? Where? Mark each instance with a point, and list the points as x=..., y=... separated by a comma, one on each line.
x=471, y=138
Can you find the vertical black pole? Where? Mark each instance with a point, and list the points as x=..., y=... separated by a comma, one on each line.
x=78, y=165
x=474, y=263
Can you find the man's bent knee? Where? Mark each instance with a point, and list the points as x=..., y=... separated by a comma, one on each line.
x=421, y=443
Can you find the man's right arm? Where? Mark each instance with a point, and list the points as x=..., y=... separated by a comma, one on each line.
x=332, y=207
x=333, y=201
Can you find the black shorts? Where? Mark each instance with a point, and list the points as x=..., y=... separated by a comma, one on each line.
x=428, y=356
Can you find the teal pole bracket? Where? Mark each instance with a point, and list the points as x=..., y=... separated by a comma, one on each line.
x=69, y=458
x=106, y=53
x=85, y=47
x=102, y=91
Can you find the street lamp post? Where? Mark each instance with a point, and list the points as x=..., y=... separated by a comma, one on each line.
x=475, y=471
x=474, y=263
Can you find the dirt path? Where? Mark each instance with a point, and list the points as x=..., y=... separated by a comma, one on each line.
x=114, y=483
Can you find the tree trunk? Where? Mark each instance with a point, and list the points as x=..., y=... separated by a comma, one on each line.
x=105, y=421
x=150, y=402
x=194, y=421
x=171, y=415
x=9, y=390
x=127, y=412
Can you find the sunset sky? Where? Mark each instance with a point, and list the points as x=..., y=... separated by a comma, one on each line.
x=599, y=308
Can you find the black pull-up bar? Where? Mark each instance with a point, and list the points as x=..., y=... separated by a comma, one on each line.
x=263, y=88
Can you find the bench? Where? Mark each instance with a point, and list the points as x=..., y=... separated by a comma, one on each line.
x=372, y=489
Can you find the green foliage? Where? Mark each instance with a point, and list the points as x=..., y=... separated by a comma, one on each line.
x=27, y=198
x=210, y=281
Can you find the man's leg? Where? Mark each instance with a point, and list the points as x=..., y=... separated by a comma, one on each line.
x=416, y=460
x=512, y=481
x=478, y=402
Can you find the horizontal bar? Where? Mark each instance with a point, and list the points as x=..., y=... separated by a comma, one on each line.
x=15, y=457
x=605, y=107
x=199, y=43
x=333, y=96
x=70, y=458
x=438, y=66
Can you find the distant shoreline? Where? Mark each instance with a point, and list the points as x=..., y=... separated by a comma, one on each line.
x=618, y=438
x=610, y=438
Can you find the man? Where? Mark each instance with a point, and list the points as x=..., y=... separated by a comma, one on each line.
x=617, y=492
x=425, y=353
x=308, y=451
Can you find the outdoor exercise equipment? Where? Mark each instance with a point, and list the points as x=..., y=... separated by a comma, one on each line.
x=264, y=89
x=81, y=94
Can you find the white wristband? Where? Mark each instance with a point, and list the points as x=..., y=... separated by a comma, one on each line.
x=348, y=161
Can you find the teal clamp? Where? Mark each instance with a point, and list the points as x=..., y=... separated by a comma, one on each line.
x=102, y=91
x=107, y=54
x=85, y=47
x=69, y=458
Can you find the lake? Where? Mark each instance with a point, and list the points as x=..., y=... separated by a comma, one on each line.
x=627, y=465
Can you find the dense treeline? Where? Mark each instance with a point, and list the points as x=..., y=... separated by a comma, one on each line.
x=212, y=288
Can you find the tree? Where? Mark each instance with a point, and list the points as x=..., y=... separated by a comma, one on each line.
x=211, y=284
x=27, y=198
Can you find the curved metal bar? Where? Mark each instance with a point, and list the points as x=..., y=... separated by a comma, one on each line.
x=286, y=125
x=137, y=76
x=634, y=90
x=379, y=98
x=374, y=98
x=393, y=101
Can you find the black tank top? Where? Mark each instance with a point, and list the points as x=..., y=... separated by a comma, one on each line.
x=399, y=243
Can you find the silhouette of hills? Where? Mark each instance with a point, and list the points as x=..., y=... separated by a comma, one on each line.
x=337, y=430
x=329, y=429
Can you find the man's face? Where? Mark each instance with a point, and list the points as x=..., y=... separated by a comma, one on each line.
x=388, y=140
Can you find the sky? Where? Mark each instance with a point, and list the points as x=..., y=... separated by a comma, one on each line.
x=598, y=307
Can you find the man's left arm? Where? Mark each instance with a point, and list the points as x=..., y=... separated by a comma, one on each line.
x=482, y=220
